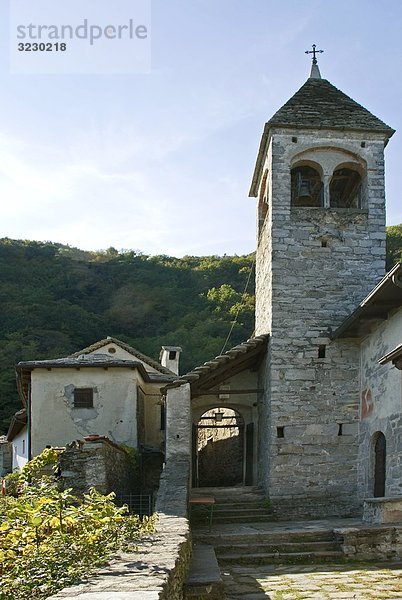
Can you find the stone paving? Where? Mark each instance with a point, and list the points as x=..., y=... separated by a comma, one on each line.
x=358, y=581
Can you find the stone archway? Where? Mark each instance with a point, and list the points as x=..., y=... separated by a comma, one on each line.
x=219, y=448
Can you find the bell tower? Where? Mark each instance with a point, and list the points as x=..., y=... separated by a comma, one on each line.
x=319, y=183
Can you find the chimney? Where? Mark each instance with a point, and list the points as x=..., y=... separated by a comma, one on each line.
x=169, y=357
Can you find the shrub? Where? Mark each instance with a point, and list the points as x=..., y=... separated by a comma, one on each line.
x=48, y=539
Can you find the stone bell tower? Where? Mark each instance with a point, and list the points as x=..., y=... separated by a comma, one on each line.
x=319, y=181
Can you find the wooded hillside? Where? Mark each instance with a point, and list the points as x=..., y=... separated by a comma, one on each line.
x=55, y=300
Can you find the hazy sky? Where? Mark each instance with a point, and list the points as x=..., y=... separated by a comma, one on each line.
x=162, y=162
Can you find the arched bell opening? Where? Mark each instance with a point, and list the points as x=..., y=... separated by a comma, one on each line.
x=379, y=445
x=219, y=448
x=346, y=189
x=306, y=187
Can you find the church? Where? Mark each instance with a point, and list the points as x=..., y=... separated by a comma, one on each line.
x=309, y=409
x=315, y=397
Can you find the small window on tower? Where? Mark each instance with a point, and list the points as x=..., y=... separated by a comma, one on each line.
x=83, y=398
x=172, y=355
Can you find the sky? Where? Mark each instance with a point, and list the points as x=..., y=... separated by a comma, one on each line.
x=161, y=162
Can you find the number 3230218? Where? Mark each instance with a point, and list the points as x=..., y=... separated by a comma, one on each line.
x=42, y=47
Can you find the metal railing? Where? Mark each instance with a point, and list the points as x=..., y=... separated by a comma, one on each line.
x=138, y=504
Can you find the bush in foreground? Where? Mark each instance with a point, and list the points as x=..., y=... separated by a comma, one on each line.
x=49, y=539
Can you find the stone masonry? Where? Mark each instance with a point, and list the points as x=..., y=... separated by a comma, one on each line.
x=314, y=265
x=97, y=462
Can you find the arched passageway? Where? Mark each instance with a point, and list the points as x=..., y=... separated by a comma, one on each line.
x=221, y=451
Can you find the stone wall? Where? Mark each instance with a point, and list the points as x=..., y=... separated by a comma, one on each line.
x=97, y=462
x=314, y=265
x=5, y=456
x=159, y=569
x=382, y=510
x=371, y=542
x=381, y=407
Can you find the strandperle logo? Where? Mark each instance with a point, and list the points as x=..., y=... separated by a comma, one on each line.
x=85, y=31
x=55, y=37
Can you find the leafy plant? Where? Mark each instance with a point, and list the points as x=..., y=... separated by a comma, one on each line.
x=48, y=539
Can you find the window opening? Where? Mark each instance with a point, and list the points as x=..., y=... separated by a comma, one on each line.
x=83, y=398
x=307, y=187
x=163, y=417
x=379, y=465
x=340, y=429
x=280, y=432
x=345, y=189
x=321, y=351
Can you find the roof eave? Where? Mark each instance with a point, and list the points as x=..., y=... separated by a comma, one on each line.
x=393, y=356
x=18, y=422
x=347, y=324
x=32, y=365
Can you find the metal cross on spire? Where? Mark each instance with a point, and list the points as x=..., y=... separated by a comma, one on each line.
x=314, y=52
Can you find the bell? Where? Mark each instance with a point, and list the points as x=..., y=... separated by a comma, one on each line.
x=304, y=190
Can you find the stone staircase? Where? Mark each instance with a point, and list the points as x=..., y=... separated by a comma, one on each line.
x=285, y=547
x=244, y=532
x=238, y=505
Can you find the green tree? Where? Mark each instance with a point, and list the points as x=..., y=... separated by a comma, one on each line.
x=394, y=245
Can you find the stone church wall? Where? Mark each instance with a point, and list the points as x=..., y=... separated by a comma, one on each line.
x=381, y=407
x=314, y=266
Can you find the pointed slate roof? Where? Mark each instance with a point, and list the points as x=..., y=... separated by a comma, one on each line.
x=319, y=105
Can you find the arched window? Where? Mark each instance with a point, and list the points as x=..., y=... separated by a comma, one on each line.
x=345, y=189
x=307, y=187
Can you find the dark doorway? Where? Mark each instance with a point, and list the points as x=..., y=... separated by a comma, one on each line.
x=380, y=451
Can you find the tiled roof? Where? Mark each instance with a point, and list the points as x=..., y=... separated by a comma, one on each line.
x=94, y=360
x=150, y=361
x=319, y=104
x=240, y=353
x=83, y=360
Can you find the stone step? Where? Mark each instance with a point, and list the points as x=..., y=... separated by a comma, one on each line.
x=243, y=518
x=218, y=538
x=204, y=576
x=241, y=503
x=282, y=557
x=286, y=548
x=238, y=510
x=224, y=495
